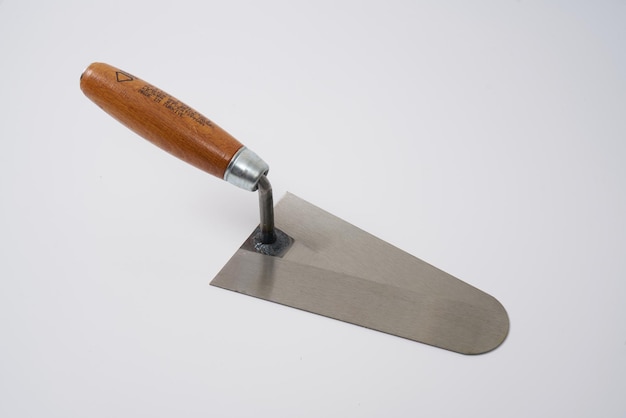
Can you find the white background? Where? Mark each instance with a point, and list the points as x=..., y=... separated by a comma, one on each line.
x=487, y=138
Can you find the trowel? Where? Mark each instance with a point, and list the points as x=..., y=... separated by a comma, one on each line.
x=300, y=255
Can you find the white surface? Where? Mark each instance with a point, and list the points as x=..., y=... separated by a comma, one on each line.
x=491, y=136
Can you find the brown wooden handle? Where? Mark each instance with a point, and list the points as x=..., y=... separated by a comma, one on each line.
x=160, y=118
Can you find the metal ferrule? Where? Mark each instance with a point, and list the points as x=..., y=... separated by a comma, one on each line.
x=245, y=169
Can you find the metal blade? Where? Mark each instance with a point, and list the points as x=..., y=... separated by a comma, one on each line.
x=340, y=271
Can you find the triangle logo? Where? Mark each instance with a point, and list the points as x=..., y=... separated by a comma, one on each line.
x=121, y=77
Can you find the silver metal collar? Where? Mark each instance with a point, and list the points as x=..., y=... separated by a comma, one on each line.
x=245, y=169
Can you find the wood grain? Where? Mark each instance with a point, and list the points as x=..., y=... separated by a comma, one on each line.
x=160, y=118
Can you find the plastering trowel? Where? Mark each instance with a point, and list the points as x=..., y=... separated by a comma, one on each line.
x=309, y=259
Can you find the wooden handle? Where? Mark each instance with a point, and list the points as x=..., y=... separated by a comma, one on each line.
x=160, y=118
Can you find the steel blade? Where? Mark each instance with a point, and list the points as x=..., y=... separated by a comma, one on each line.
x=340, y=271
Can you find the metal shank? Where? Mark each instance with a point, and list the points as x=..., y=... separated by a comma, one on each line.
x=266, y=207
x=266, y=239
